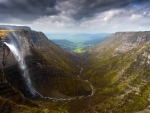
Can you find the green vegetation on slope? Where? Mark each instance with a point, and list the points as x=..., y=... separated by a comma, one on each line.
x=79, y=48
x=119, y=71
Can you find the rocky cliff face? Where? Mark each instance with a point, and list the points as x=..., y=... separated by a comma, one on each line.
x=53, y=72
x=49, y=66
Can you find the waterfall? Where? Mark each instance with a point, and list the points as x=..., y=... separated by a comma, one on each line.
x=20, y=59
x=17, y=50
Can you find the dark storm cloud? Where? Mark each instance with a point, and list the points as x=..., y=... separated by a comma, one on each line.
x=88, y=8
x=26, y=9
x=29, y=10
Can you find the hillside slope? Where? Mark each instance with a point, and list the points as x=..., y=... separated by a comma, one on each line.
x=119, y=71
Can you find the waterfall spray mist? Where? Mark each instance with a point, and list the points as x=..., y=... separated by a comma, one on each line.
x=20, y=59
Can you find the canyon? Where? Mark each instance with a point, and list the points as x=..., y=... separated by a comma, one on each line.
x=111, y=77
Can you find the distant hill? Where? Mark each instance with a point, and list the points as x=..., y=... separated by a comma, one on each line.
x=77, y=42
x=65, y=44
x=62, y=42
x=77, y=38
x=95, y=41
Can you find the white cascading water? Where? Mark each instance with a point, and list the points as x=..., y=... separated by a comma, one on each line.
x=20, y=59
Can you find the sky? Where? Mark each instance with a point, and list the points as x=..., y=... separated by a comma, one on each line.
x=77, y=16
